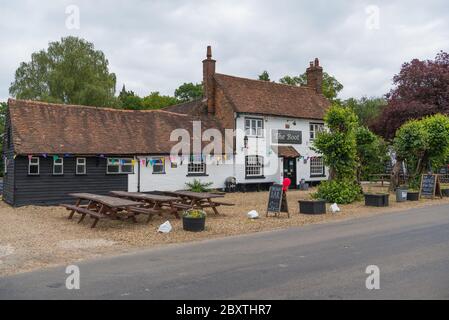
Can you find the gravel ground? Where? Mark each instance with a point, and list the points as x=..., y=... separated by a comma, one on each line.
x=34, y=237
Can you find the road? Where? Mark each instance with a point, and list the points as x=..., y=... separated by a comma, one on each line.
x=323, y=261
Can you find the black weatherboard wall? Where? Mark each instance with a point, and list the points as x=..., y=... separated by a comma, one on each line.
x=47, y=188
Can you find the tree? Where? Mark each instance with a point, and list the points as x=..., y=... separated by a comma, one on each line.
x=70, y=71
x=331, y=87
x=129, y=100
x=264, y=76
x=422, y=145
x=189, y=92
x=156, y=101
x=421, y=89
x=366, y=109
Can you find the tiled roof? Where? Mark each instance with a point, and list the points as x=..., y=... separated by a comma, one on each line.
x=40, y=127
x=269, y=98
x=194, y=108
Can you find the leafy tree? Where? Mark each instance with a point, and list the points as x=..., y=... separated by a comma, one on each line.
x=157, y=101
x=189, y=91
x=371, y=153
x=264, y=76
x=422, y=145
x=70, y=71
x=331, y=87
x=366, y=109
x=421, y=89
x=129, y=100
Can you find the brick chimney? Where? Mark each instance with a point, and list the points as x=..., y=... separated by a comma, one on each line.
x=208, y=80
x=315, y=76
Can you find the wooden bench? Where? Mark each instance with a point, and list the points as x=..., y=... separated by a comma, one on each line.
x=148, y=211
x=84, y=211
x=218, y=203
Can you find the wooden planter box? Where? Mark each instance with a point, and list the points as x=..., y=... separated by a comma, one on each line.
x=412, y=195
x=193, y=224
x=377, y=200
x=312, y=206
x=445, y=192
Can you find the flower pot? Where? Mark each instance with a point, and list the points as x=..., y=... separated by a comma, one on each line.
x=401, y=194
x=412, y=195
x=445, y=192
x=377, y=200
x=312, y=206
x=193, y=224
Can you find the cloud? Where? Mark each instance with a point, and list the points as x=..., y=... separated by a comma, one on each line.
x=158, y=45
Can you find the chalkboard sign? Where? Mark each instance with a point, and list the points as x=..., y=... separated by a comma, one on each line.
x=275, y=198
x=429, y=186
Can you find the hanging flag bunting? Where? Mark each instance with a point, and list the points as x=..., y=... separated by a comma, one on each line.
x=142, y=162
x=44, y=155
x=15, y=156
x=30, y=156
x=133, y=161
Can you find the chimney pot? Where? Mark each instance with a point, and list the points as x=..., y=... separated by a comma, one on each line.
x=209, y=52
x=317, y=62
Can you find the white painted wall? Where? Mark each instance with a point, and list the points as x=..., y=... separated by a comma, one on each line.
x=175, y=178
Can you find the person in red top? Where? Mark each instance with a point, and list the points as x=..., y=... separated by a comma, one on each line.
x=285, y=184
x=284, y=206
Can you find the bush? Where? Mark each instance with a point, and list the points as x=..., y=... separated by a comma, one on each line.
x=338, y=191
x=198, y=186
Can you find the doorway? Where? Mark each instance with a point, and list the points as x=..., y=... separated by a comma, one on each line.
x=290, y=171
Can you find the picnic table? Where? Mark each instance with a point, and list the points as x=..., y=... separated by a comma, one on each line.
x=200, y=200
x=156, y=202
x=101, y=207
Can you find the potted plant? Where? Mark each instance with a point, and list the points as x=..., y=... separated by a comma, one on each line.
x=445, y=189
x=377, y=199
x=413, y=192
x=194, y=220
x=317, y=206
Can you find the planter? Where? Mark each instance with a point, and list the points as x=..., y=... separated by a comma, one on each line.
x=377, y=200
x=193, y=224
x=413, y=195
x=312, y=206
x=445, y=192
x=401, y=194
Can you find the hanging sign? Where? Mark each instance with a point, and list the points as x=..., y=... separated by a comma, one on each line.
x=286, y=137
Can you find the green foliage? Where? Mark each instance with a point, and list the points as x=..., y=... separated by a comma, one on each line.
x=198, y=186
x=338, y=191
x=366, y=109
x=331, y=87
x=423, y=144
x=70, y=71
x=264, y=76
x=188, y=92
x=157, y=101
x=194, y=213
x=371, y=153
x=129, y=100
x=338, y=145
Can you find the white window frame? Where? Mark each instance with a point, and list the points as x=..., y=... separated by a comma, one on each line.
x=254, y=166
x=60, y=165
x=84, y=165
x=120, y=165
x=196, y=167
x=315, y=165
x=30, y=160
x=161, y=164
x=253, y=127
x=314, y=129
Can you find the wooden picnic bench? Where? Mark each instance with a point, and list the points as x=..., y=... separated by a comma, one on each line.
x=200, y=200
x=101, y=207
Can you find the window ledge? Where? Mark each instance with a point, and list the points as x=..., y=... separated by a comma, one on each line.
x=158, y=172
x=254, y=177
x=197, y=175
x=317, y=175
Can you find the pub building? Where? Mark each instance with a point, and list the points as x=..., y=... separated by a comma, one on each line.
x=51, y=150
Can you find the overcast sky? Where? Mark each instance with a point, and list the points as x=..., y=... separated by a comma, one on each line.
x=158, y=45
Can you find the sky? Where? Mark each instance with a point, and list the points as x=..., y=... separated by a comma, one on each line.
x=158, y=45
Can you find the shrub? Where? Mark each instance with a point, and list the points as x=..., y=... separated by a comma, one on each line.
x=198, y=186
x=195, y=214
x=338, y=191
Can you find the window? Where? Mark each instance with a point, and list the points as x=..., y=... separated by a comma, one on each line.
x=254, y=127
x=196, y=166
x=33, y=166
x=254, y=166
x=119, y=165
x=316, y=166
x=58, y=166
x=80, y=165
x=314, y=129
x=158, y=165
